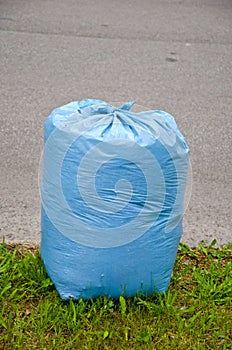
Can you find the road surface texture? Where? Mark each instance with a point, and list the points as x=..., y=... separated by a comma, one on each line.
x=163, y=54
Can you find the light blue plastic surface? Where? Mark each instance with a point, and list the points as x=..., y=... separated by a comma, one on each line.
x=112, y=199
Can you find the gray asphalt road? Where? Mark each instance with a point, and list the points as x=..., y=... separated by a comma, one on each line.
x=171, y=55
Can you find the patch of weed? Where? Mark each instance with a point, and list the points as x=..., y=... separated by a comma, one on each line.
x=195, y=313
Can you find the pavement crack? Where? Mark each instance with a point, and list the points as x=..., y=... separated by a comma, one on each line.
x=108, y=37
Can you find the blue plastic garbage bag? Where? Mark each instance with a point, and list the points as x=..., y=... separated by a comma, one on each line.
x=112, y=199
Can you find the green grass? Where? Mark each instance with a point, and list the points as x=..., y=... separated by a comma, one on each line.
x=195, y=313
